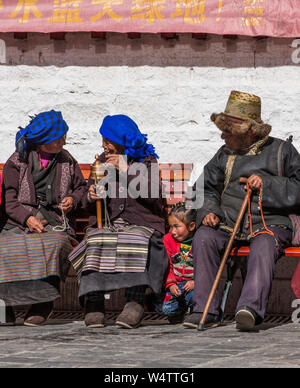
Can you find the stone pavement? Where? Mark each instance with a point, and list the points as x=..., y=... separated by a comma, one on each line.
x=71, y=345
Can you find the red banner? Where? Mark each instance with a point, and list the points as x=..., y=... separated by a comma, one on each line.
x=238, y=17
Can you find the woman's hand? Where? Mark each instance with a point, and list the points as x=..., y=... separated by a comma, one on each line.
x=211, y=220
x=174, y=289
x=67, y=204
x=189, y=286
x=34, y=225
x=118, y=161
x=93, y=196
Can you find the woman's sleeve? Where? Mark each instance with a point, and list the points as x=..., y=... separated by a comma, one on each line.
x=14, y=209
x=79, y=188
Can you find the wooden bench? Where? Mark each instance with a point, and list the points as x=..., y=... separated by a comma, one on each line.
x=175, y=178
x=288, y=252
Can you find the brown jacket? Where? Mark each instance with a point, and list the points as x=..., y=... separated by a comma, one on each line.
x=140, y=211
x=19, y=191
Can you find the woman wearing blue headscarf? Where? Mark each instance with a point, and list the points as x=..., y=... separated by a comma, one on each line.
x=43, y=185
x=128, y=251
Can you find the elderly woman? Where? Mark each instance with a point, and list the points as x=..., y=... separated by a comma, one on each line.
x=128, y=252
x=43, y=185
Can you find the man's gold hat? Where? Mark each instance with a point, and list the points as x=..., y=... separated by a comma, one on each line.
x=243, y=106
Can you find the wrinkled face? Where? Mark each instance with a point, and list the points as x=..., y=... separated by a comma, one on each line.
x=111, y=147
x=234, y=142
x=55, y=146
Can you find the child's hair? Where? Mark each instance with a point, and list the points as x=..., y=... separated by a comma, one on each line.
x=184, y=214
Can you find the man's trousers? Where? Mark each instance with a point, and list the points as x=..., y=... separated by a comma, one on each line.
x=208, y=247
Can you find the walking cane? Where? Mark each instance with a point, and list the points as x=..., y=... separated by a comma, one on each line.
x=97, y=173
x=225, y=257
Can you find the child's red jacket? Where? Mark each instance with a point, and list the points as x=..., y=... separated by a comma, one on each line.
x=181, y=266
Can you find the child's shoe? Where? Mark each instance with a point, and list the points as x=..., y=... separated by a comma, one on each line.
x=175, y=319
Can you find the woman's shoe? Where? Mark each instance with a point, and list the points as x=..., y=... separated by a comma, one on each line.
x=38, y=314
x=94, y=314
x=131, y=316
x=94, y=320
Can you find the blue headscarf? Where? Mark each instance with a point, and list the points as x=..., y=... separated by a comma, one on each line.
x=44, y=128
x=123, y=130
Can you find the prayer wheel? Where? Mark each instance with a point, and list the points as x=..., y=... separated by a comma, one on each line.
x=97, y=173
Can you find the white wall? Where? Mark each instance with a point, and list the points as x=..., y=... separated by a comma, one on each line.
x=170, y=88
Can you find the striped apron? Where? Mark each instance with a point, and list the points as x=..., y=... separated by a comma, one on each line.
x=121, y=250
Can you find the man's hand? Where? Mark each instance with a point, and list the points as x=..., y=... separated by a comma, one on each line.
x=174, y=289
x=34, y=225
x=67, y=204
x=255, y=182
x=211, y=220
x=189, y=286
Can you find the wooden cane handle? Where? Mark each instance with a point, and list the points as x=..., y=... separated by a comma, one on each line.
x=99, y=213
x=243, y=180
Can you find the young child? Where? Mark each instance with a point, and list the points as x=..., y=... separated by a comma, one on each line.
x=180, y=279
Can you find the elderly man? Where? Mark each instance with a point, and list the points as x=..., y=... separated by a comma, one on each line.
x=272, y=167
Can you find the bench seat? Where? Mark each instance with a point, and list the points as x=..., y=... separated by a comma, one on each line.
x=288, y=252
